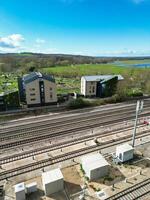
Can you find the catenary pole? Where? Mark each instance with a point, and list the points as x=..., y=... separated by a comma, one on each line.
x=139, y=108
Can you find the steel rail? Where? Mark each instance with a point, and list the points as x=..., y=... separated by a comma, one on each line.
x=46, y=136
x=134, y=192
x=109, y=106
x=59, y=145
x=60, y=127
x=60, y=158
x=57, y=121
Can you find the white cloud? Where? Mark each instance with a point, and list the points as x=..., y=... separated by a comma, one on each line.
x=40, y=41
x=11, y=43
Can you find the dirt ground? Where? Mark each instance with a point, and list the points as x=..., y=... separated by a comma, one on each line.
x=122, y=176
x=73, y=181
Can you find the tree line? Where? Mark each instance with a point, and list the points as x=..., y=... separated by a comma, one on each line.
x=26, y=62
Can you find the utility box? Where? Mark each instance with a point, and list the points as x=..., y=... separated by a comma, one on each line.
x=124, y=152
x=53, y=181
x=31, y=187
x=95, y=166
x=20, y=191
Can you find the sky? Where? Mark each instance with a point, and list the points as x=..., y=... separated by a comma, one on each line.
x=85, y=27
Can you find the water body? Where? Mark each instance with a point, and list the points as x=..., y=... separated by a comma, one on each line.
x=145, y=65
x=140, y=65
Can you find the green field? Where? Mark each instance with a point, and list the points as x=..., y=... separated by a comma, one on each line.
x=8, y=82
x=67, y=85
x=80, y=70
x=71, y=75
x=68, y=77
x=77, y=71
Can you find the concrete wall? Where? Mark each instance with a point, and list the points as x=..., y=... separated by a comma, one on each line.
x=97, y=173
x=50, y=92
x=54, y=187
x=91, y=87
x=88, y=88
x=20, y=195
x=83, y=86
x=125, y=156
x=33, y=88
x=20, y=191
x=128, y=155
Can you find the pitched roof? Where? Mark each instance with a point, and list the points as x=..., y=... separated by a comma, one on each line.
x=19, y=187
x=102, y=77
x=124, y=147
x=94, y=161
x=52, y=176
x=36, y=75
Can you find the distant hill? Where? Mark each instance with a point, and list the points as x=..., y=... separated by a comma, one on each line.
x=27, y=61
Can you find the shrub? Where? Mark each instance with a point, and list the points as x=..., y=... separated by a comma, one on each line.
x=134, y=93
x=82, y=170
x=61, y=99
x=78, y=103
x=95, y=189
x=87, y=178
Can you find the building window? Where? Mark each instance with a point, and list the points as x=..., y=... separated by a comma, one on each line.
x=50, y=89
x=32, y=94
x=93, y=89
x=51, y=95
x=33, y=99
x=32, y=89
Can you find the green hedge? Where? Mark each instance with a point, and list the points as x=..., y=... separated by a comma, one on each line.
x=78, y=103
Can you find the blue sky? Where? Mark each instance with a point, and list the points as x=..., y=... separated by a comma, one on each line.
x=88, y=27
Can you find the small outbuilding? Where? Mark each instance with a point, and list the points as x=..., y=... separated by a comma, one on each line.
x=31, y=187
x=53, y=181
x=95, y=166
x=20, y=191
x=124, y=152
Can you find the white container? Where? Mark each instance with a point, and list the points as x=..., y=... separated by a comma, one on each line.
x=53, y=181
x=95, y=166
x=31, y=187
x=20, y=191
x=124, y=152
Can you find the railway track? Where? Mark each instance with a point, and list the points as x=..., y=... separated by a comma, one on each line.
x=48, y=117
x=61, y=127
x=136, y=192
x=54, y=126
x=39, y=118
x=66, y=120
x=56, y=122
x=60, y=158
x=72, y=141
x=53, y=130
x=73, y=130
